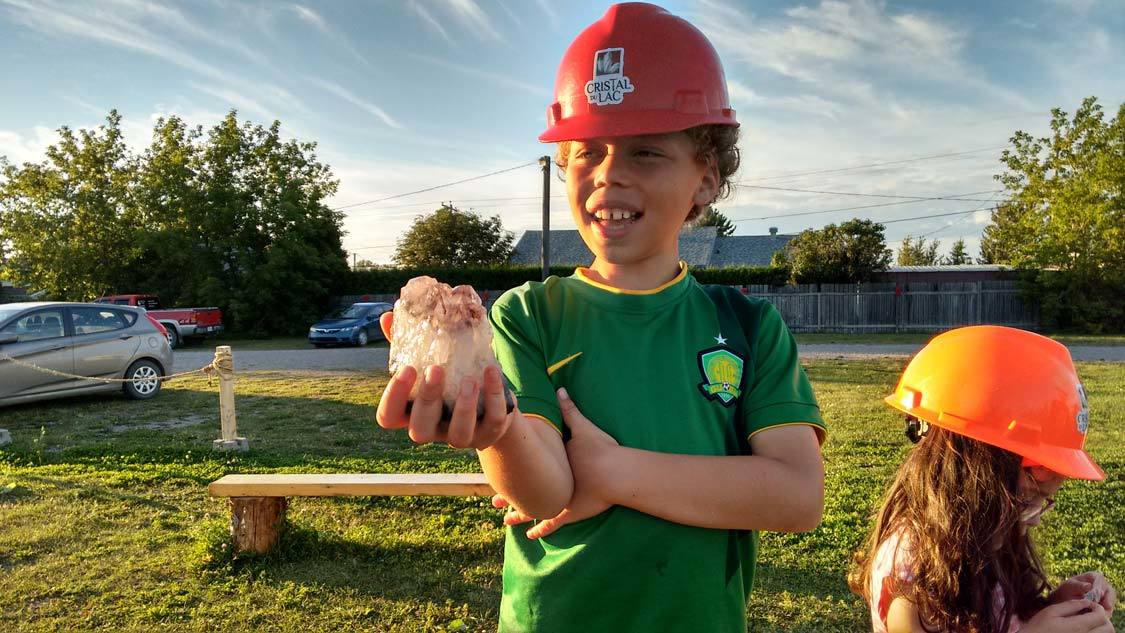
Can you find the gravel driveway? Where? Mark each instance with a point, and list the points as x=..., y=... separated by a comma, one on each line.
x=369, y=358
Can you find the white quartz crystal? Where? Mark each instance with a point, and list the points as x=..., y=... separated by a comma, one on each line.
x=438, y=325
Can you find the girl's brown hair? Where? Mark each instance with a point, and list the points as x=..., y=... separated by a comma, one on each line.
x=718, y=143
x=957, y=502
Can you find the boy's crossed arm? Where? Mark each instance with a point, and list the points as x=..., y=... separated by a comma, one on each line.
x=780, y=487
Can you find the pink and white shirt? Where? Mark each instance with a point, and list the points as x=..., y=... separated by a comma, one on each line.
x=894, y=561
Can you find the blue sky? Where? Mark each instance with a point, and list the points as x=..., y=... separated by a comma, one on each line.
x=401, y=95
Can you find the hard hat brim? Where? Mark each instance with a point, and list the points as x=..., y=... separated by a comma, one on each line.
x=631, y=123
x=1069, y=462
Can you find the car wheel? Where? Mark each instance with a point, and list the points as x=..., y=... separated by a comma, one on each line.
x=144, y=381
x=361, y=338
x=173, y=337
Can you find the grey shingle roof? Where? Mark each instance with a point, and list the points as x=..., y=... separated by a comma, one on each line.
x=700, y=247
x=747, y=250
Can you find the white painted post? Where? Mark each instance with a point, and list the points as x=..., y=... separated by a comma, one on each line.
x=224, y=366
x=5, y=437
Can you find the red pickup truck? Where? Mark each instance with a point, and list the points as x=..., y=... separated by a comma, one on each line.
x=181, y=323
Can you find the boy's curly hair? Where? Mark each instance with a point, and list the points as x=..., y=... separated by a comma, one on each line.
x=712, y=142
x=957, y=501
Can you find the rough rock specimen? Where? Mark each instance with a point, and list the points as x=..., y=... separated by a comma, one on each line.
x=438, y=325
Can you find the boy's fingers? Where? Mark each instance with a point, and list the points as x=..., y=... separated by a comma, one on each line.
x=391, y=412
x=426, y=412
x=385, y=321
x=494, y=422
x=544, y=528
x=498, y=501
x=515, y=517
x=463, y=423
x=571, y=415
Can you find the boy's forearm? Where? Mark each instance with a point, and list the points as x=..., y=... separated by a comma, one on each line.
x=528, y=466
x=723, y=492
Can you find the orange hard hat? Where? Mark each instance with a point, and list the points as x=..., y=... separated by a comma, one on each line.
x=637, y=70
x=1006, y=387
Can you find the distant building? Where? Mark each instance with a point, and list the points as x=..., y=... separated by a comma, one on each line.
x=700, y=247
x=9, y=293
x=959, y=273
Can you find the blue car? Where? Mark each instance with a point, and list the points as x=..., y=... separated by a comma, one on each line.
x=356, y=325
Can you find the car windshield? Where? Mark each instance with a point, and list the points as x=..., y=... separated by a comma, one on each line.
x=356, y=311
x=7, y=312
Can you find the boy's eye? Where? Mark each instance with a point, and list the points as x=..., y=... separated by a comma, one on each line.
x=648, y=152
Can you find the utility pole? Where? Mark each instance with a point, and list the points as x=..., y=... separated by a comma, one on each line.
x=545, y=163
x=353, y=261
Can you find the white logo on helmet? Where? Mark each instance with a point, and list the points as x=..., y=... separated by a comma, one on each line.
x=609, y=85
x=1083, y=417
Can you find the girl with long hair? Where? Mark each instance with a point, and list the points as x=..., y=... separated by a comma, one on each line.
x=1000, y=419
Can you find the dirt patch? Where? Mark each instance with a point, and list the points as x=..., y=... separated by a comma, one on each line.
x=162, y=425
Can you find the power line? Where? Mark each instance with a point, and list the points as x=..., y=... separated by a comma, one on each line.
x=936, y=215
x=870, y=165
x=953, y=198
x=448, y=184
x=871, y=195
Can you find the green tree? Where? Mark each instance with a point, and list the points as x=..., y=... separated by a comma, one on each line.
x=67, y=225
x=454, y=238
x=958, y=255
x=852, y=251
x=915, y=252
x=713, y=217
x=234, y=217
x=1066, y=214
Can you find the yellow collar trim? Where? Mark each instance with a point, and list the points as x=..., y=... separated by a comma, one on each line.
x=581, y=273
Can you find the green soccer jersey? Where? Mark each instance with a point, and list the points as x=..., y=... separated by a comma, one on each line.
x=656, y=371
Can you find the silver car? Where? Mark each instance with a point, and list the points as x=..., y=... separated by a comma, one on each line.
x=83, y=339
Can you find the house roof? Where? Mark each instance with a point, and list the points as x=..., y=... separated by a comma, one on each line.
x=952, y=268
x=700, y=247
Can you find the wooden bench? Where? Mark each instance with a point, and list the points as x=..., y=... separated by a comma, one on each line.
x=258, y=502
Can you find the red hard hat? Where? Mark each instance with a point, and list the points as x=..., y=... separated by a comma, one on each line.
x=638, y=70
x=1006, y=387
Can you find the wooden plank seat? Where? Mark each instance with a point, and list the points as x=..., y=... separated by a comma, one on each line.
x=258, y=502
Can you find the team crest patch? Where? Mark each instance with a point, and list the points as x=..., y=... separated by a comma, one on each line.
x=1083, y=417
x=609, y=85
x=722, y=374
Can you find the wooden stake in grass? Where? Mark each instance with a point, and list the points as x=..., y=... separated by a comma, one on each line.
x=224, y=366
x=5, y=437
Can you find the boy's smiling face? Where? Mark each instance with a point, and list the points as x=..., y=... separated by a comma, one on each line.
x=630, y=195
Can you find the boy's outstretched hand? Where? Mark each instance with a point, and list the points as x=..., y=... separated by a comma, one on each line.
x=590, y=451
x=424, y=420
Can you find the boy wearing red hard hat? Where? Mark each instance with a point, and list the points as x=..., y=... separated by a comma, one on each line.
x=660, y=422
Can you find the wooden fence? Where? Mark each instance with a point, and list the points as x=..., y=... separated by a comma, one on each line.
x=887, y=307
x=877, y=307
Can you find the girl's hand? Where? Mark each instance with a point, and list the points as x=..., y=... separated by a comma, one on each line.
x=1071, y=616
x=1092, y=583
x=588, y=450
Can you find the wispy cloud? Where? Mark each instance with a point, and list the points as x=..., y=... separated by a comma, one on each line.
x=360, y=103
x=314, y=19
x=429, y=20
x=466, y=14
x=234, y=99
x=125, y=26
x=538, y=91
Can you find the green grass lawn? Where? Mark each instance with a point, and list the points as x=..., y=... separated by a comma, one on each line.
x=919, y=338
x=105, y=522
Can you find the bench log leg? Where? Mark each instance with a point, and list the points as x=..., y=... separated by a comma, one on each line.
x=254, y=523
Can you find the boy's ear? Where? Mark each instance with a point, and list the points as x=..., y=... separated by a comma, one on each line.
x=709, y=186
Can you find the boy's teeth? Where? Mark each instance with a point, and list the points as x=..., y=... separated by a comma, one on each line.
x=613, y=214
